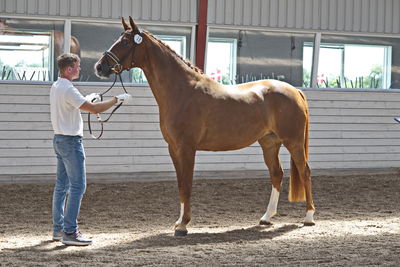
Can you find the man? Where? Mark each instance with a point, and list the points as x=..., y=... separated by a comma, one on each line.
x=65, y=105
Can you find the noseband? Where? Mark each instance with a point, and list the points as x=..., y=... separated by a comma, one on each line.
x=118, y=69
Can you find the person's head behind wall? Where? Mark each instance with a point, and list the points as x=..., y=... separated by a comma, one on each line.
x=69, y=66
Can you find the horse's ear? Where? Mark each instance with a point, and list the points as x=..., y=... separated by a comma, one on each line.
x=133, y=25
x=126, y=27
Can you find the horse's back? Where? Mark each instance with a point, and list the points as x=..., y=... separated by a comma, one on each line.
x=272, y=96
x=275, y=87
x=242, y=114
x=284, y=108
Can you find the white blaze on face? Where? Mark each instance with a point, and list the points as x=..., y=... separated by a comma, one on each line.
x=179, y=221
x=272, y=206
x=116, y=42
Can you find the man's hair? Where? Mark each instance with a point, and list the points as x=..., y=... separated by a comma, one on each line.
x=66, y=60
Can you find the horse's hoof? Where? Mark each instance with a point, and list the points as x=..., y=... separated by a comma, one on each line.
x=265, y=223
x=309, y=223
x=181, y=233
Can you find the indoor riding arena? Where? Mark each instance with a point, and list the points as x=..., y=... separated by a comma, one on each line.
x=342, y=56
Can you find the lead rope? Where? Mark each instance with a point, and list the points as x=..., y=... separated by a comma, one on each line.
x=112, y=112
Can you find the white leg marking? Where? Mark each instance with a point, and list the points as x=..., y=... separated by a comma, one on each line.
x=309, y=216
x=179, y=221
x=272, y=206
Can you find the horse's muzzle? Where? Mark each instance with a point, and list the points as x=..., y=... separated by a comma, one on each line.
x=102, y=70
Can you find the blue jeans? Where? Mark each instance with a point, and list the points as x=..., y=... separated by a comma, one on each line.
x=71, y=180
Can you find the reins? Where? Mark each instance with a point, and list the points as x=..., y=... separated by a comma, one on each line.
x=112, y=112
x=137, y=39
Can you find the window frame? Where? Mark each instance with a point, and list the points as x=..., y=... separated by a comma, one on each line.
x=164, y=38
x=386, y=70
x=67, y=34
x=233, y=56
x=317, y=40
x=317, y=34
x=50, y=65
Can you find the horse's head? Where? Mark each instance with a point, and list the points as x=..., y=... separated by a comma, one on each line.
x=122, y=55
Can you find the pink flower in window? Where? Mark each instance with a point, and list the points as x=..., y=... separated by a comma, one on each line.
x=321, y=78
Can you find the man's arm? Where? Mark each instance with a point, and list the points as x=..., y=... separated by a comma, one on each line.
x=98, y=107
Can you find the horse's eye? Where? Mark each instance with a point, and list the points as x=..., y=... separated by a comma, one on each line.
x=124, y=42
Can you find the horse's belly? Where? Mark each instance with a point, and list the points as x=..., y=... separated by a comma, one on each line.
x=223, y=141
x=223, y=147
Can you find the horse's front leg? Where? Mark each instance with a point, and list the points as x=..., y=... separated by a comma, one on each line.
x=183, y=159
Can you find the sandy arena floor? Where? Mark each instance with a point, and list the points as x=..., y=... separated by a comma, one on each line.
x=358, y=224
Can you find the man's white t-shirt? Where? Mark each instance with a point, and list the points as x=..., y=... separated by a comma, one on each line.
x=65, y=101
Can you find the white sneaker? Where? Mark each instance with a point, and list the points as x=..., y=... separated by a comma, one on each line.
x=75, y=239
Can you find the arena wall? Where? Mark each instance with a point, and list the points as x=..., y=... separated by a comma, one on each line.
x=369, y=16
x=356, y=16
x=348, y=129
x=173, y=11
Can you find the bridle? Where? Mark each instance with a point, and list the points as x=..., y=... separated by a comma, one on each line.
x=118, y=69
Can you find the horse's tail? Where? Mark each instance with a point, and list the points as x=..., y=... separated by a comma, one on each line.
x=296, y=187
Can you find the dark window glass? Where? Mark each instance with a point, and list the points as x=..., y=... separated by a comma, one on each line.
x=261, y=55
x=95, y=38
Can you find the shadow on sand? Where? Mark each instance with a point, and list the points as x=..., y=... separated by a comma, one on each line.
x=41, y=247
x=254, y=233
x=164, y=240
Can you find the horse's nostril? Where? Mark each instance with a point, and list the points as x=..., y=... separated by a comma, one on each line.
x=98, y=67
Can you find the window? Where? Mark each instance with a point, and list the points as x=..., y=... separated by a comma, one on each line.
x=351, y=65
x=95, y=38
x=221, y=59
x=177, y=43
x=25, y=56
x=28, y=49
x=355, y=62
x=257, y=55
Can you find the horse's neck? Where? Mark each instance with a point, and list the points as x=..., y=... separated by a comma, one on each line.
x=167, y=74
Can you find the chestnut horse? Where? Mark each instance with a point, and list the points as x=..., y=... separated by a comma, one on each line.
x=197, y=113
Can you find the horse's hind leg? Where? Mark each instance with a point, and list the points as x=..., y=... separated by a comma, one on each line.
x=270, y=146
x=183, y=159
x=298, y=155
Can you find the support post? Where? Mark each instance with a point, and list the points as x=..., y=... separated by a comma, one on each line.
x=315, y=60
x=201, y=34
x=67, y=36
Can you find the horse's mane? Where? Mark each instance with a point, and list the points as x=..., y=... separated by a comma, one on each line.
x=188, y=63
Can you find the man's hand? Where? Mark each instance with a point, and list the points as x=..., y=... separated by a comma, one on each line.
x=124, y=98
x=93, y=97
